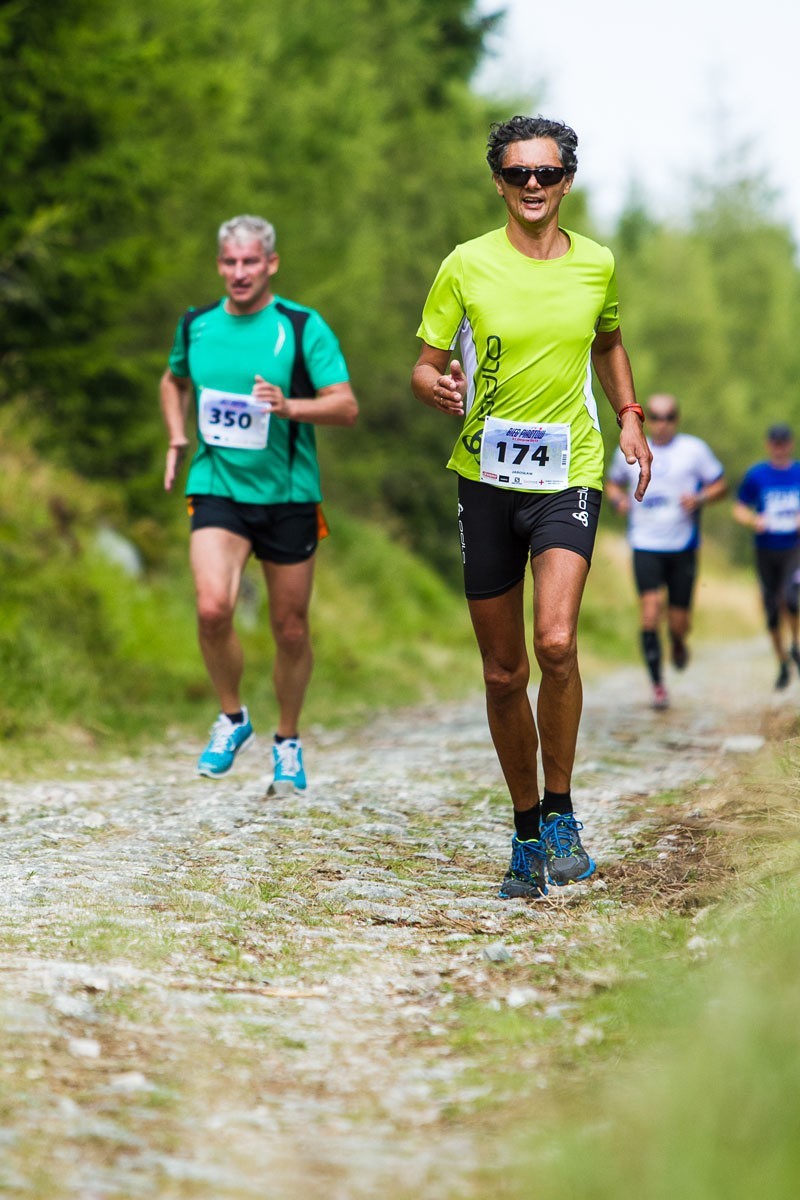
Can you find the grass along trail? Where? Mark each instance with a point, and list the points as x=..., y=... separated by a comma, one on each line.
x=205, y=993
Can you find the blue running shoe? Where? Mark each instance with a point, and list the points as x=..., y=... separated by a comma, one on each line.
x=227, y=739
x=287, y=757
x=525, y=876
x=567, y=861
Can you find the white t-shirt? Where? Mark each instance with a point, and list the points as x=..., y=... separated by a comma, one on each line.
x=681, y=467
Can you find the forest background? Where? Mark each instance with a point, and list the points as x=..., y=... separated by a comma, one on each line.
x=128, y=132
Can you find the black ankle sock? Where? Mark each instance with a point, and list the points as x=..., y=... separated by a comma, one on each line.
x=651, y=648
x=556, y=802
x=526, y=823
x=294, y=737
x=235, y=718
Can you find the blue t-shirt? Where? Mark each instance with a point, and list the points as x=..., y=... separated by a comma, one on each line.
x=774, y=491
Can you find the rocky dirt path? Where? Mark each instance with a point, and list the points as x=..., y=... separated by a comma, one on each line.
x=204, y=993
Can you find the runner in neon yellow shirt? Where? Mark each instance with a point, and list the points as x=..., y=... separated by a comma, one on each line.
x=512, y=326
x=484, y=297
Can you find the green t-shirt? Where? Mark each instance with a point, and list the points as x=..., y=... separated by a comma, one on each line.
x=226, y=352
x=524, y=329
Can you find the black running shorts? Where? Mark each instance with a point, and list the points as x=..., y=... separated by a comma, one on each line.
x=501, y=529
x=675, y=570
x=278, y=533
x=777, y=574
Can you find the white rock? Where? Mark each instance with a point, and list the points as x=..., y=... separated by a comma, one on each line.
x=519, y=997
x=119, y=550
x=698, y=947
x=73, y=1006
x=94, y=820
x=130, y=1081
x=496, y=952
x=743, y=743
x=588, y=1035
x=84, y=1047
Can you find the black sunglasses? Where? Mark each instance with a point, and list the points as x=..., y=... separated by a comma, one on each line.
x=670, y=416
x=544, y=176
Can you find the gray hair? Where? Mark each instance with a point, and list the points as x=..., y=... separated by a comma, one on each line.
x=523, y=129
x=244, y=229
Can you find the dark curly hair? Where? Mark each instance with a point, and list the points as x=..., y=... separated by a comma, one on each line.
x=521, y=129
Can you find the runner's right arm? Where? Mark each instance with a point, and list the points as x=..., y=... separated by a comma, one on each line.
x=434, y=385
x=175, y=394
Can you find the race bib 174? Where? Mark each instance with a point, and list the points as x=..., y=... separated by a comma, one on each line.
x=530, y=457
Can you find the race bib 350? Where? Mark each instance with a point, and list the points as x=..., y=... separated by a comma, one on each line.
x=231, y=419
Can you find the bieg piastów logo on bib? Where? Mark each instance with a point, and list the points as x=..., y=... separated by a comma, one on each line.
x=583, y=510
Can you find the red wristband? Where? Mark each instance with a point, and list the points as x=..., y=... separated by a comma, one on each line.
x=637, y=408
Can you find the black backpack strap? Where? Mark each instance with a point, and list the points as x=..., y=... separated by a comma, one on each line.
x=300, y=383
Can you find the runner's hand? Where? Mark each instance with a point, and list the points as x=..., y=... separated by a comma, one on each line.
x=175, y=455
x=635, y=448
x=271, y=397
x=449, y=391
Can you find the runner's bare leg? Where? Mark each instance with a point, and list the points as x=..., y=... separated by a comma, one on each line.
x=289, y=588
x=499, y=624
x=559, y=578
x=218, y=558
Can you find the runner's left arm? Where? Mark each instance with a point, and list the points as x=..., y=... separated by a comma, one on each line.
x=332, y=401
x=613, y=368
x=332, y=405
x=707, y=495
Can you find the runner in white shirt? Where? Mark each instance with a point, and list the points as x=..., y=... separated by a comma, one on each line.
x=664, y=530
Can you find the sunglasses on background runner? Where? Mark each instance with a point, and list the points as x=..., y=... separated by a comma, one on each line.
x=544, y=176
x=662, y=416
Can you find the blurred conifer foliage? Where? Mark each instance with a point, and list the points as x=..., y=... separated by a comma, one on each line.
x=128, y=131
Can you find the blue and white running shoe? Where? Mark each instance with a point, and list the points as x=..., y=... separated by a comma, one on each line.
x=227, y=740
x=287, y=758
x=567, y=861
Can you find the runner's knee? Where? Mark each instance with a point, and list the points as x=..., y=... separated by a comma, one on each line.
x=291, y=632
x=771, y=611
x=504, y=683
x=556, y=651
x=214, y=615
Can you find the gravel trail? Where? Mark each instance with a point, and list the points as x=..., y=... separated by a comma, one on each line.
x=205, y=993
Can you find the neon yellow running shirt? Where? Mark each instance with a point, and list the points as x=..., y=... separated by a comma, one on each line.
x=524, y=330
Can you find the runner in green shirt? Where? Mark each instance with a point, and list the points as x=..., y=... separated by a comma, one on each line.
x=263, y=371
x=514, y=322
